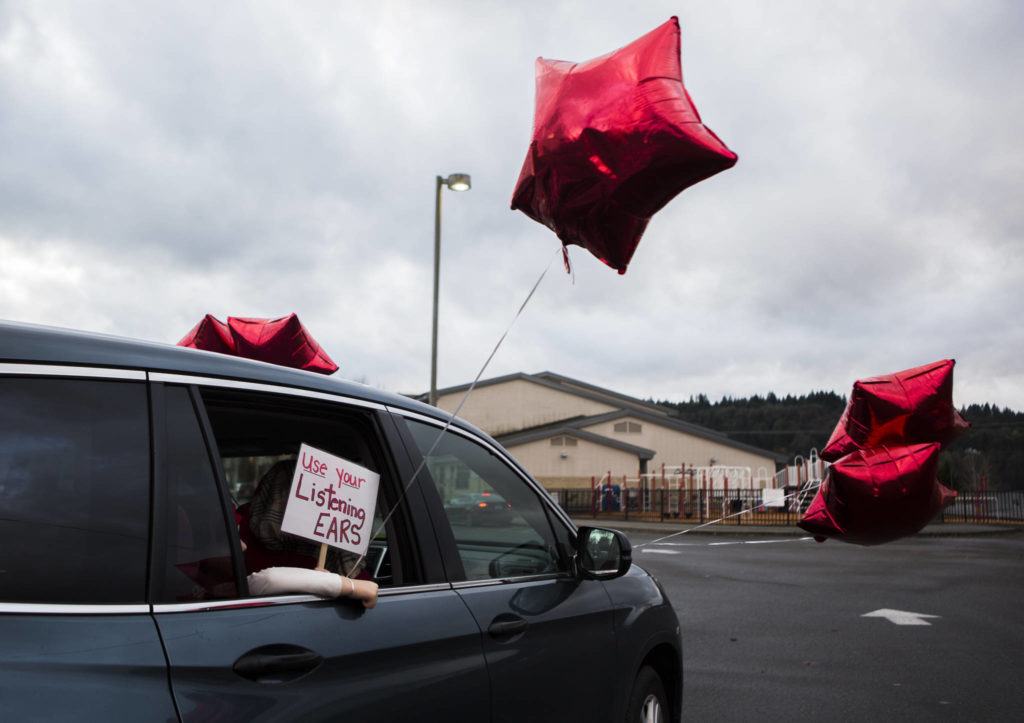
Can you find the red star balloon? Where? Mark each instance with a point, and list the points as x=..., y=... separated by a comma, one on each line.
x=283, y=341
x=614, y=140
x=210, y=334
x=885, y=449
x=875, y=496
x=908, y=407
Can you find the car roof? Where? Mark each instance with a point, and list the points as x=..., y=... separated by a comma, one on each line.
x=36, y=344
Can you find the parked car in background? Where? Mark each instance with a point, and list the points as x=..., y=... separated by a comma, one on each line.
x=478, y=508
x=123, y=582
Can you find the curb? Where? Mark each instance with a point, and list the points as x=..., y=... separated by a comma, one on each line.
x=938, y=529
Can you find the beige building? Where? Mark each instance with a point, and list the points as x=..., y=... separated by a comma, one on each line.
x=564, y=431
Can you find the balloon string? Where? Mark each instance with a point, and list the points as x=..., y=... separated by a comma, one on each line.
x=803, y=491
x=437, y=440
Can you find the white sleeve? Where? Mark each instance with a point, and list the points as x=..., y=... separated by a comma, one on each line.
x=278, y=580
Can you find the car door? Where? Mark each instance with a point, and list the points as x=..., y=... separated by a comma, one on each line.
x=77, y=637
x=548, y=636
x=232, y=656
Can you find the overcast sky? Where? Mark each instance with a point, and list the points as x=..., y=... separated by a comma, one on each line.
x=163, y=161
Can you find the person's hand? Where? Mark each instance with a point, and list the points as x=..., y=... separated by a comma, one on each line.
x=363, y=590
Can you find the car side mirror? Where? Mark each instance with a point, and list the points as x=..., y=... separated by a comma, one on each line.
x=602, y=554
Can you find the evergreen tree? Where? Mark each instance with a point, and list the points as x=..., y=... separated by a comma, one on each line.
x=990, y=453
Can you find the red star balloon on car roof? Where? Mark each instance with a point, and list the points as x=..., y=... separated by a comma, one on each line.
x=210, y=334
x=283, y=341
x=614, y=140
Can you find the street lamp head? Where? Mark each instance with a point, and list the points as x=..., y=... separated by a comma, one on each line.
x=458, y=182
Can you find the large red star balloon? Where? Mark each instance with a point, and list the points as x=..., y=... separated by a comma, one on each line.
x=283, y=341
x=908, y=407
x=614, y=140
x=875, y=496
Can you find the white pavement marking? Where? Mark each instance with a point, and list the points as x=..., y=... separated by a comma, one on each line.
x=900, y=617
x=646, y=546
x=761, y=542
x=661, y=552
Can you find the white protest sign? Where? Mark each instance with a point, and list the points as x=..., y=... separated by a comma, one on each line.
x=331, y=501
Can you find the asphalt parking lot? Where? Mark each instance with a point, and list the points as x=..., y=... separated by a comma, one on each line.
x=779, y=627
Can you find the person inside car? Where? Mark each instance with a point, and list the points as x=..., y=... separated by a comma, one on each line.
x=279, y=563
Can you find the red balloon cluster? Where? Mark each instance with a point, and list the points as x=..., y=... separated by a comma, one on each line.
x=614, y=140
x=284, y=341
x=885, y=452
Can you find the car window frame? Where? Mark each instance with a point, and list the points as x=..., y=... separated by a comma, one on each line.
x=560, y=523
x=102, y=373
x=428, y=527
x=159, y=461
x=416, y=525
x=30, y=371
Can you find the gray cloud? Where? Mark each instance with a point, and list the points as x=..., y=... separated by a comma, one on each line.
x=256, y=159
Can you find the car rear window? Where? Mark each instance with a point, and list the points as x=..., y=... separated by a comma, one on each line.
x=74, y=490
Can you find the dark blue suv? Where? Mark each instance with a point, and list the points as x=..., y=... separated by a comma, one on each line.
x=123, y=595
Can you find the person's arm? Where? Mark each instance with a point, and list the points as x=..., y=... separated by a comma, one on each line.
x=280, y=580
x=364, y=591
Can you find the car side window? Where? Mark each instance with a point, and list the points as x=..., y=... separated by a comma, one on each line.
x=257, y=439
x=74, y=490
x=499, y=522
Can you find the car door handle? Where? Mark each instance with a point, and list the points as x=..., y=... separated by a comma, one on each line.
x=277, y=663
x=507, y=626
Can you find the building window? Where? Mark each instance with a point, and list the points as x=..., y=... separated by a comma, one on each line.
x=563, y=441
x=628, y=427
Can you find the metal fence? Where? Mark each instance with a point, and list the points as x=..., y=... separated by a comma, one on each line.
x=750, y=506
x=738, y=506
x=985, y=506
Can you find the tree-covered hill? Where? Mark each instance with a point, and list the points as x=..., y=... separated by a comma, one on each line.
x=991, y=452
x=993, y=449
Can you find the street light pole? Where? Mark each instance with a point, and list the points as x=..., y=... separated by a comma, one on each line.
x=456, y=182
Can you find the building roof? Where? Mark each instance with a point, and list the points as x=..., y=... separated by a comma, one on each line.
x=694, y=430
x=628, y=407
x=559, y=429
x=565, y=384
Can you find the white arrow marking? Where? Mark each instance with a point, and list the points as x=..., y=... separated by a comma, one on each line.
x=900, y=617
